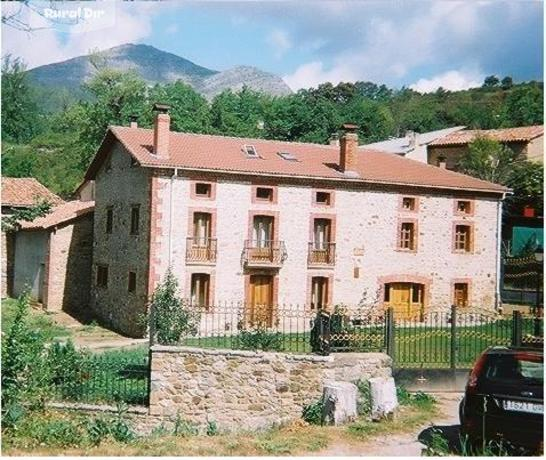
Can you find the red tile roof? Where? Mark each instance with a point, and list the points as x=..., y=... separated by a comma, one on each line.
x=522, y=134
x=60, y=214
x=315, y=161
x=25, y=192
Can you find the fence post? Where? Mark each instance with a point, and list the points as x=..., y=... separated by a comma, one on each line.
x=453, y=349
x=516, y=329
x=390, y=333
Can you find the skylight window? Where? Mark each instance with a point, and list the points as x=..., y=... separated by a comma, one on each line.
x=287, y=156
x=250, y=151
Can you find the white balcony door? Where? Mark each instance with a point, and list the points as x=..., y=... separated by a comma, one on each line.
x=321, y=234
x=263, y=231
x=201, y=229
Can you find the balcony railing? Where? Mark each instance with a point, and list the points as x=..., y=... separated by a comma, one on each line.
x=201, y=250
x=264, y=253
x=321, y=254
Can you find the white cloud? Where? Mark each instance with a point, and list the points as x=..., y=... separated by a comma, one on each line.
x=172, y=29
x=452, y=80
x=280, y=42
x=313, y=73
x=51, y=42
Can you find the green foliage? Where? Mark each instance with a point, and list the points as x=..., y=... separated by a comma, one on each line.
x=260, y=338
x=439, y=446
x=417, y=399
x=67, y=368
x=212, y=428
x=12, y=222
x=489, y=160
x=184, y=428
x=364, y=406
x=490, y=82
x=524, y=106
x=26, y=374
x=170, y=319
x=312, y=413
x=527, y=182
x=21, y=118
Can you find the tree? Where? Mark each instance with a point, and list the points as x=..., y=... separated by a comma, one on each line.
x=12, y=222
x=527, y=182
x=490, y=81
x=489, y=160
x=190, y=111
x=507, y=83
x=375, y=121
x=524, y=106
x=20, y=115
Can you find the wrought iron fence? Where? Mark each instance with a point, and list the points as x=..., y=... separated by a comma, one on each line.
x=105, y=378
x=448, y=338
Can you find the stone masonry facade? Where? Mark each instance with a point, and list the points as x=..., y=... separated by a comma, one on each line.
x=366, y=227
x=119, y=186
x=244, y=390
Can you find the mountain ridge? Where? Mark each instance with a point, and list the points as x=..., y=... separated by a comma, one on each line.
x=155, y=66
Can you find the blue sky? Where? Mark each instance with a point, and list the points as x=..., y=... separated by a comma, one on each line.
x=418, y=43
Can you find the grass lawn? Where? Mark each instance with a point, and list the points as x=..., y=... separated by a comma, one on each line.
x=38, y=320
x=297, y=438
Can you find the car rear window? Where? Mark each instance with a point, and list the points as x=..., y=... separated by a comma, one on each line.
x=522, y=367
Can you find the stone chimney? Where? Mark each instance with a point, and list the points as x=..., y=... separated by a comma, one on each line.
x=133, y=121
x=348, y=149
x=442, y=163
x=162, y=130
x=334, y=140
x=412, y=139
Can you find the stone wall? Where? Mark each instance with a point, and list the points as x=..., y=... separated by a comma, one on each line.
x=248, y=390
x=120, y=187
x=69, y=266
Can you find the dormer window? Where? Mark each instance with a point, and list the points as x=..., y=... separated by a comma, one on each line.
x=323, y=198
x=287, y=156
x=250, y=151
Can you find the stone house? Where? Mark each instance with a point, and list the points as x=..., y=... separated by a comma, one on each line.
x=53, y=257
x=18, y=193
x=528, y=141
x=269, y=222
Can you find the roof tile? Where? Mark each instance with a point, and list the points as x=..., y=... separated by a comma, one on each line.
x=521, y=134
x=25, y=192
x=60, y=214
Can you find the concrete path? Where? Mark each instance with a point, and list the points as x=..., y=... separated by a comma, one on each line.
x=403, y=445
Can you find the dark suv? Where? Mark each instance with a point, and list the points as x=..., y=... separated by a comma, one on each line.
x=504, y=398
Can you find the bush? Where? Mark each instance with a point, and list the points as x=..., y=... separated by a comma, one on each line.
x=364, y=398
x=417, y=399
x=67, y=366
x=260, y=338
x=170, y=318
x=312, y=413
x=26, y=374
x=184, y=428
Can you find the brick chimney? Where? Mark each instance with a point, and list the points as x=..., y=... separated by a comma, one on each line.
x=334, y=140
x=348, y=149
x=162, y=130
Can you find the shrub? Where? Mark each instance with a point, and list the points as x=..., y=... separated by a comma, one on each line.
x=170, y=318
x=364, y=398
x=67, y=366
x=260, y=338
x=26, y=375
x=212, y=428
x=184, y=428
x=418, y=399
x=312, y=413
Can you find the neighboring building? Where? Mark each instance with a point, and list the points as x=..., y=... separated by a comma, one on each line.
x=526, y=140
x=53, y=257
x=270, y=222
x=17, y=194
x=413, y=145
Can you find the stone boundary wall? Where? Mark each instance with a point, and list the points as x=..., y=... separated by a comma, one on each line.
x=247, y=390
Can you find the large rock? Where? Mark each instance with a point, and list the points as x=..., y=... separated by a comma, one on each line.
x=339, y=403
x=383, y=397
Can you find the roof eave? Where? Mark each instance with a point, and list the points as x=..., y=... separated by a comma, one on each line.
x=343, y=179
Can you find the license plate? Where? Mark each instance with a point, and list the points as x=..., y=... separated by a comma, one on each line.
x=520, y=406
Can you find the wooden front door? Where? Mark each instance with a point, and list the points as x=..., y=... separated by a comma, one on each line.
x=261, y=300
x=406, y=299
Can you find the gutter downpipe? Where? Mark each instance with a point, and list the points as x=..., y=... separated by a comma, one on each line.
x=499, y=248
x=175, y=174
